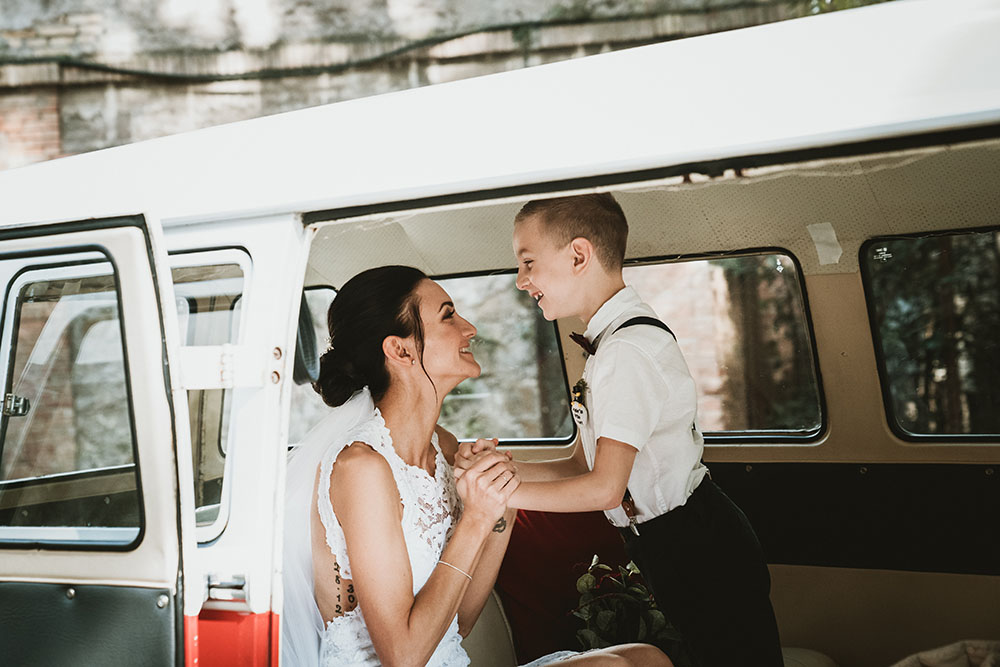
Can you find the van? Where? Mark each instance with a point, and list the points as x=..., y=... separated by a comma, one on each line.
x=814, y=211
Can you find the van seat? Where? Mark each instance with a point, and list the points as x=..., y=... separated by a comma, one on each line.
x=803, y=657
x=490, y=644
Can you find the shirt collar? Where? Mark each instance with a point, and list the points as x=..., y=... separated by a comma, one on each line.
x=621, y=301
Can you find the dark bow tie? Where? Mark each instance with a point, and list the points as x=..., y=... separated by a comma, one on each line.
x=582, y=341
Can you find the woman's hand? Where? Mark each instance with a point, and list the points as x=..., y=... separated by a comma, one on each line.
x=469, y=452
x=486, y=486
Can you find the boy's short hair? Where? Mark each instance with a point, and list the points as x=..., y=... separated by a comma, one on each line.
x=595, y=217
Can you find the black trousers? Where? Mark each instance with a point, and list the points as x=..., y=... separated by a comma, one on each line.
x=704, y=565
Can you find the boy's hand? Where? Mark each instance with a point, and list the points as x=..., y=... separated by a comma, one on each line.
x=470, y=452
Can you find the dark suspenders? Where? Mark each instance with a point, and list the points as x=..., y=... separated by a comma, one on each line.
x=628, y=505
x=651, y=321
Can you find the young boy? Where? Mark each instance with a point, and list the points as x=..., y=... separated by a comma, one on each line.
x=635, y=409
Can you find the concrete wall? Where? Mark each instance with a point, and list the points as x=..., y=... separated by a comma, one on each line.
x=80, y=75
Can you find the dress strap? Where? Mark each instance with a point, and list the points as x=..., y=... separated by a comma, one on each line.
x=372, y=433
x=334, y=533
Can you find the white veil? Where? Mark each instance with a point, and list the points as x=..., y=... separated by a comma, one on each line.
x=301, y=623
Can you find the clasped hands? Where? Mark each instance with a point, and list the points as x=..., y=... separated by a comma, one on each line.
x=485, y=478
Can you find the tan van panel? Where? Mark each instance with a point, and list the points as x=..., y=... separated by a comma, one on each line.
x=872, y=618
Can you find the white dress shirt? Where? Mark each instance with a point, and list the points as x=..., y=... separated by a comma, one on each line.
x=640, y=392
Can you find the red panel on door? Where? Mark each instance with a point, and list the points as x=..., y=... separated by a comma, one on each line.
x=236, y=638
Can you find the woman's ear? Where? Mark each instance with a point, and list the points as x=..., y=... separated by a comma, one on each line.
x=397, y=351
x=581, y=252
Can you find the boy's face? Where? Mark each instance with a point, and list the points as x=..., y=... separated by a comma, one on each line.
x=545, y=270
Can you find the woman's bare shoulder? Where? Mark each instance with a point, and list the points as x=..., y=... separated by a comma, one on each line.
x=359, y=465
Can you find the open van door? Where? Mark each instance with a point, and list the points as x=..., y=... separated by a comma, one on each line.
x=96, y=502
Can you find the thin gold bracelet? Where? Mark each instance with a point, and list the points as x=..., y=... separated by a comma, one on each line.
x=458, y=569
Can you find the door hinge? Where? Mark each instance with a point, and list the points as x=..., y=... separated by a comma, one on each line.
x=15, y=406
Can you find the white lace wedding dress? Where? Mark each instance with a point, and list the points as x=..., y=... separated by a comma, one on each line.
x=430, y=509
x=430, y=506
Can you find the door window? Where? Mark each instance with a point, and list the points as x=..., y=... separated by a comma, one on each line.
x=209, y=291
x=67, y=457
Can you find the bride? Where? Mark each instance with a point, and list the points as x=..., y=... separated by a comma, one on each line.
x=387, y=559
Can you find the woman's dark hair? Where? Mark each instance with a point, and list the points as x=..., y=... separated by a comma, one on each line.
x=370, y=306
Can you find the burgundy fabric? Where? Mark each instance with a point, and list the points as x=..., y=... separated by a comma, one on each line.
x=548, y=552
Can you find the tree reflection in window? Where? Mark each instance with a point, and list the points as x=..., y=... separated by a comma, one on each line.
x=742, y=326
x=935, y=305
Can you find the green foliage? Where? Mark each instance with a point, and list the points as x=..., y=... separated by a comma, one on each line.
x=617, y=608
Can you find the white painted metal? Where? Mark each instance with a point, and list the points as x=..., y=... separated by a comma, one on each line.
x=223, y=366
x=883, y=71
x=246, y=541
x=154, y=562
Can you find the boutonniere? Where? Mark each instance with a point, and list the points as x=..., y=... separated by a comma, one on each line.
x=577, y=407
x=579, y=391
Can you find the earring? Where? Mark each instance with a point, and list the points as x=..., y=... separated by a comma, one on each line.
x=413, y=361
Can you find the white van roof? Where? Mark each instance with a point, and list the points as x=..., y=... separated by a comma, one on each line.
x=885, y=71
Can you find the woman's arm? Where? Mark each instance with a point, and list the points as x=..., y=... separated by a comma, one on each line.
x=485, y=575
x=490, y=558
x=405, y=629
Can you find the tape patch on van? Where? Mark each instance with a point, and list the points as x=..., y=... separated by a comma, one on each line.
x=825, y=239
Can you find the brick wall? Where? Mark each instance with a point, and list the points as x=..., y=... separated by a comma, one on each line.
x=29, y=126
x=181, y=65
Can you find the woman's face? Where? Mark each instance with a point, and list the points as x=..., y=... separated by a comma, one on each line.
x=447, y=357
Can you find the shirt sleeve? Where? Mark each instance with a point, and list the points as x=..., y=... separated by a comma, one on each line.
x=629, y=392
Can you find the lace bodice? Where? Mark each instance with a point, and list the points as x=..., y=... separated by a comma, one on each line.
x=430, y=509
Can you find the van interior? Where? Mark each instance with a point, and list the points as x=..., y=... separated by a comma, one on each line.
x=838, y=314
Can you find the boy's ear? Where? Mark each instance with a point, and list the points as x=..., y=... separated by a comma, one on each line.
x=581, y=252
x=397, y=350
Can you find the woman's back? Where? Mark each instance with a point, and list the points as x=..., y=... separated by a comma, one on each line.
x=427, y=511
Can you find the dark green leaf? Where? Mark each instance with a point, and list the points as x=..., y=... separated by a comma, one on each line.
x=605, y=619
x=585, y=583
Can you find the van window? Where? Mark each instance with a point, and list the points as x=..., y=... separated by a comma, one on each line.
x=307, y=407
x=935, y=313
x=209, y=298
x=67, y=464
x=742, y=325
x=521, y=395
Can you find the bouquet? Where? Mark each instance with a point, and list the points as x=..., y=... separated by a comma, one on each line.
x=617, y=608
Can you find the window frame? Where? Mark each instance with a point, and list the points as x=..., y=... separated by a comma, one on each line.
x=880, y=361
x=17, y=281
x=526, y=443
x=759, y=438
x=207, y=257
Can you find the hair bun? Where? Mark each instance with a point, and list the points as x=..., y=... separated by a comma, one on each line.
x=339, y=378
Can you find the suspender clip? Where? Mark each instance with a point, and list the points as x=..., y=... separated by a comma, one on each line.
x=629, y=506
